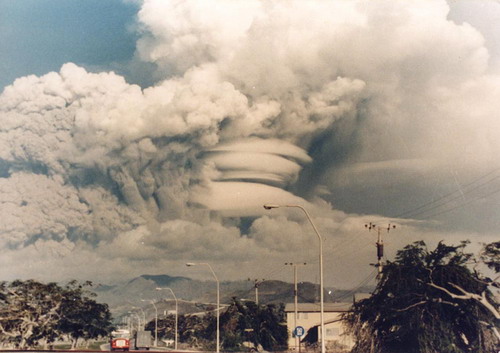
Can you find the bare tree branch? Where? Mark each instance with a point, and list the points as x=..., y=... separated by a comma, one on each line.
x=6, y=332
x=412, y=306
x=469, y=296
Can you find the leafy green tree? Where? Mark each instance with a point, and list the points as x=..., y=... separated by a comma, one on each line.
x=29, y=312
x=249, y=322
x=490, y=256
x=192, y=329
x=409, y=312
x=235, y=326
x=270, y=327
x=81, y=316
x=261, y=325
x=166, y=327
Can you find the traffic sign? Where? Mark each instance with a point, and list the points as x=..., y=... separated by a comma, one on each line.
x=299, y=331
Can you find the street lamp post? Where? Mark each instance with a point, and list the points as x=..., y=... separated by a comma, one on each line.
x=268, y=207
x=176, y=313
x=144, y=318
x=218, y=304
x=143, y=315
x=138, y=320
x=156, y=320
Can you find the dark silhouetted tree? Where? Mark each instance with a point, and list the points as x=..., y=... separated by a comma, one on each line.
x=408, y=313
x=31, y=311
x=81, y=316
x=260, y=325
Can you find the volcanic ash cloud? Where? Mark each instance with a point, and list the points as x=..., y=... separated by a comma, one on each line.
x=255, y=100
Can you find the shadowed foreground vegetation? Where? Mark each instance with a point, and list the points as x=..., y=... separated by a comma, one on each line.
x=34, y=313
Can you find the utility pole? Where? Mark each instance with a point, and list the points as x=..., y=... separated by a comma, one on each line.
x=379, y=243
x=295, y=294
x=256, y=284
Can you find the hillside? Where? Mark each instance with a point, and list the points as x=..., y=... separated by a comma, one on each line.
x=195, y=296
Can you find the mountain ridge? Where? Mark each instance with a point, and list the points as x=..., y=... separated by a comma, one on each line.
x=139, y=292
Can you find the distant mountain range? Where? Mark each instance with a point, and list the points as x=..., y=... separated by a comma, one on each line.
x=196, y=296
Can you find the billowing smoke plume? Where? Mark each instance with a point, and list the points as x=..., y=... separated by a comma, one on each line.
x=259, y=101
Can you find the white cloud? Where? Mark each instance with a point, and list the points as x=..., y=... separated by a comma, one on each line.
x=241, y=198
x=35, y=206
x=254, y=96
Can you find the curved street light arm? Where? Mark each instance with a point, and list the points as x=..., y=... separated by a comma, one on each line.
x=218, y=300
x=271, y=206
x=176, y=314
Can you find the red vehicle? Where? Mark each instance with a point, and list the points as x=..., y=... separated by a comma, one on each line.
x=120, y=340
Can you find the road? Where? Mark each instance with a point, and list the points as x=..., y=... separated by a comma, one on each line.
x=104, y=348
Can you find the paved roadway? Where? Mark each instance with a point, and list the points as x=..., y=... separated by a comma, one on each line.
x=104, y=348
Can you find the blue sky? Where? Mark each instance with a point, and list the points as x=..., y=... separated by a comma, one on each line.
x=39, y=36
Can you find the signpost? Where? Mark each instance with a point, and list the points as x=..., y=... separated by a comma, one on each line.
x=299, y=331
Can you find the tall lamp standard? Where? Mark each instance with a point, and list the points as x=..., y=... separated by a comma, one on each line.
x=176, y=313
x=138, y=320
x=144, y=318
x=143, y=315
x=156, y=320
x=268, y=207
x=189, y=264
x=140, y=324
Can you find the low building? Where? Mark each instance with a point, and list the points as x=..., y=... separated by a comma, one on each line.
x=309, y=318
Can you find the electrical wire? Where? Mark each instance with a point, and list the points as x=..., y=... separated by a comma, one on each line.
x=465, y=203
x=371, y=276
x=464, y=190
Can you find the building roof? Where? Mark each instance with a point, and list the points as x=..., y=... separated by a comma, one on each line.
x=315, y=307
x=361, y=296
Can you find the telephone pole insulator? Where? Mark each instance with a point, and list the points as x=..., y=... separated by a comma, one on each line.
x=380, y=243
x=256, y=284
x=380, y=250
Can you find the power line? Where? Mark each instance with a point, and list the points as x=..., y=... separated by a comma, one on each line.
x=466, y=203
x=462, y=191
x=363, y=283
x=466, y=192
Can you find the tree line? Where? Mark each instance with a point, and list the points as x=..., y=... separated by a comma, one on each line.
x=242, y=326
x=34, y=313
